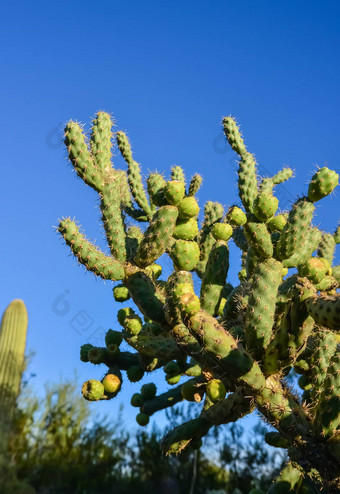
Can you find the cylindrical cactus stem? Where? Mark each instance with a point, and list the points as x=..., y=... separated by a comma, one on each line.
x=292, y=332
x=234, y=136
x=134, y=174
x=100, y=141
x=327, y=247
x=113, y=220
x=157, y=237
x=325, y=310
x=234, y=407
x=259, y=238
x=261, y=306
x=145, y=295
x=282, y=176
x=294, y=231
x=214, y=277
x=165, y=400
x=247, y=181
x=87, y=254
x=213, y=213
x=311, y=240
x=13, y=332
x=195, y=185
x=80, y=156
x=177, y=173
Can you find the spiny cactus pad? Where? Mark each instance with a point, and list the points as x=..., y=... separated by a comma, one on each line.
x=231, y=346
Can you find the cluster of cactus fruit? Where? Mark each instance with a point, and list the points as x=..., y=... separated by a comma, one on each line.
x=231, y=347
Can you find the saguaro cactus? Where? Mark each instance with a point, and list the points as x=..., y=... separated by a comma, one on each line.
x=231, y=346
x=13, y=331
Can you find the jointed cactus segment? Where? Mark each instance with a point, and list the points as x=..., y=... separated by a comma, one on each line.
x=240, y=340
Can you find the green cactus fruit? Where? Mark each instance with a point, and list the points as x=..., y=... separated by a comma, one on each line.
x=157, y=237
x=189, y=304
x=172, y=380
x=277, y=223
x=142, y=419
x=133, y=324
x=113, y=337
x=93, y=390
x=284, y=272
x=112, y=383
x=123, y=313
x=121, y=293
x=275, y=439
x=314, y=269
x=87, y=254
x=188, y=208
x=327, y=284
x=172, y=368
x=185, y=255
x=216, y=390
x=305, y=383
x=186, y=229
x=235, y=216
x=181, y=289
x=192, y=392
x=134, y=373
x=154, y=270
x=174, y=192
x=325, y=310
x=222, y=231
x=265, y=206
x=195, y=185
x=148, y=391
x=155, y=185
x=13, y=332
x=234, y=136
x=84, y=352
x=137, y=400
x=322, y=184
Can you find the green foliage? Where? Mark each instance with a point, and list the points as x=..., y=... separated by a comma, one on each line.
x=59, y=448
x=249, y=336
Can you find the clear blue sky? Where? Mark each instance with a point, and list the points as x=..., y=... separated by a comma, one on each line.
x=168, y=72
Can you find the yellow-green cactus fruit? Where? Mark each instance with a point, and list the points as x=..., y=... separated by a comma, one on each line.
x=322, y=184
x=216, y=390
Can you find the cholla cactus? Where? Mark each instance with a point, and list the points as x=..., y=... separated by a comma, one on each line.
x=231, y=346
